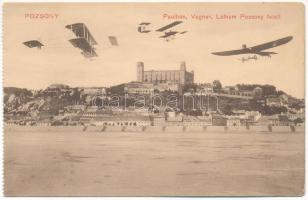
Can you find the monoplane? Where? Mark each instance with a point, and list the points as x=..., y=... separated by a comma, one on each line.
x=257, y=50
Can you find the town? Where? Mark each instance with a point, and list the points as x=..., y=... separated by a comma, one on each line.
x=155, y=98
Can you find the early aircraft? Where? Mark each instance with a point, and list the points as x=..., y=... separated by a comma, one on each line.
x=257, y=50
x=142, y=28
x=33, y=43
x=113, y=40
x=84, y=40
x=170, y=34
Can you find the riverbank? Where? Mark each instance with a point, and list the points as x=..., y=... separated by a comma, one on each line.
x=158, y=129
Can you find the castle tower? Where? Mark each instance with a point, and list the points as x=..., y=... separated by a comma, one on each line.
x=183, y=73
x=192, y=76
x=140, y=71
x=183, y=66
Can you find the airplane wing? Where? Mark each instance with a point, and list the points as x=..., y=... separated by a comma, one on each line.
x=145, y=23
x=255, y=49
x=142, y=30
x=164, y=36
x=169, y=26
x=113, y=41
x=82, y=43
x=168, y=34
x=271, y=44
x=81, y=30
x=33, y=43
x=232, y=52
x=89, y=55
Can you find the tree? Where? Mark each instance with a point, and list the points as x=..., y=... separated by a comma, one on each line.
x=298, y=120
x=227, y=110
x=280, y=92
x=269, y=90
x=216, y=85
x=188, y=87
x=268, y=110
x=156, y=91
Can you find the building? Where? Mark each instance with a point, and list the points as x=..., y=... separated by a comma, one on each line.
x=159, y=120
x=284, y=120
x=173, y=87
x=219, y=120
x=139, y=88
x=234, y=121
x=284, y=98
x=232, y=90
x=236, y=92
x=150, y=88
x=253, y=115
x=44, y=122
x=268, y=120
x=244, y=117
x=121, y=120
x=205, y=88
x=197, y=120
x=94, y=91
x=257, y=92
x=296, y=116
x=274, y=101
x=174, y=119
x=246, y=93
x=180, y=76
x=113, y=118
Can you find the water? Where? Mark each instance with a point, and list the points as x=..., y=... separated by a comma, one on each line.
x=153, y=164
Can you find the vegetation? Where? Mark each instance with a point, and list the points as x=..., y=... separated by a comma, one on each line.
x=216, y=85
x=54, y=99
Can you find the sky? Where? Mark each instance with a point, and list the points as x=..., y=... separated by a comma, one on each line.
x=59, y=62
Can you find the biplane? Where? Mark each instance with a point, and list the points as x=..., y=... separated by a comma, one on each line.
x=257, y=50
x=84, y=39
x=170, y=34
x=33, y=43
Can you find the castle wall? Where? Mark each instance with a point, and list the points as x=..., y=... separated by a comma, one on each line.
x=175, y=76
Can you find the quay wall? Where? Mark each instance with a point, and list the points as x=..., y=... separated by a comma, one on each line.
x=160, y=129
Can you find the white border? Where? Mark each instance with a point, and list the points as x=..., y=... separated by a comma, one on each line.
x=143, y=198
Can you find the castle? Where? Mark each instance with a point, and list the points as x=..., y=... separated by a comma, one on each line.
x=181, y=76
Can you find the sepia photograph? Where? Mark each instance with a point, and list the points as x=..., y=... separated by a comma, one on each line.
x=154, y=99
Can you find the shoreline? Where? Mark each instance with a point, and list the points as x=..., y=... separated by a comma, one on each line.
x=161, y=129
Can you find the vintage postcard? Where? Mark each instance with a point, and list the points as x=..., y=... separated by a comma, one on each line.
x=154, y=99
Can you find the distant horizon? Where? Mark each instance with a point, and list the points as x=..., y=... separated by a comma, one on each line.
x=277, y=89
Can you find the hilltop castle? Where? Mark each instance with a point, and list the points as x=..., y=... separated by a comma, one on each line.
x=181, y=76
